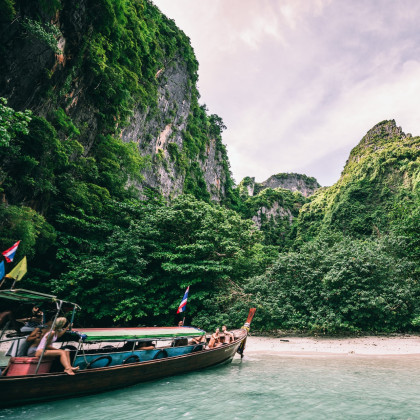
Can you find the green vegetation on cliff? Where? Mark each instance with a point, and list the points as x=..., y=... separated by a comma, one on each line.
x=382, y=174
x=110, y=67
x=275, y=212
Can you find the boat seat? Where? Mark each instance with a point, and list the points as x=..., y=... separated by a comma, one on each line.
x=21, y=366
x=179, y=342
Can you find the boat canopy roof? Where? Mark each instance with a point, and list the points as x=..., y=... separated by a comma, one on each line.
x=29, y=296
x=120, y=334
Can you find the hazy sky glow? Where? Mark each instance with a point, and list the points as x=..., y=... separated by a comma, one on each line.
x=299, y=82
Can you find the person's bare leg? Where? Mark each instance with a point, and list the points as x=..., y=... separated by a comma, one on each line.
x=68, y=358
x=211, y=342
x=63, y=358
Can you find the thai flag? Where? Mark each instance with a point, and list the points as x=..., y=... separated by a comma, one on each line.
x=9, y=254
x=183, y=304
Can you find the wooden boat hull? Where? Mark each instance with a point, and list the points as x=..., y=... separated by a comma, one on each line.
x=17, y=390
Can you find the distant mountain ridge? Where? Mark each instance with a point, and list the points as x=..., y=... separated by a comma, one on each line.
x=380, y=175
x=288, y=181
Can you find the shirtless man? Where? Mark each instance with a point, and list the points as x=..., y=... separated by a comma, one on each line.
x=215, y=339
x=228, y=335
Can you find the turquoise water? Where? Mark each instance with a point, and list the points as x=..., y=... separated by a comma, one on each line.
x=261, y=386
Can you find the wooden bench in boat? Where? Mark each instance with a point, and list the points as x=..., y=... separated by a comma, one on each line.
x=22, y=366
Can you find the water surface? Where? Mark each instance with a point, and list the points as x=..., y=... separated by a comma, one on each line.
x=262, y=385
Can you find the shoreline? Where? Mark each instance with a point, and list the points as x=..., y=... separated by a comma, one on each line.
x=396, y=345
x=400, y=345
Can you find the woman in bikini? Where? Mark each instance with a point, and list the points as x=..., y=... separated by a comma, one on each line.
x=51, y=337
x=34, y=338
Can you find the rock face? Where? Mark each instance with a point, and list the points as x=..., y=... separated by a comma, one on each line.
x=288, y=181
x=154, y=132
x=35, y=76
x=274, y=212
x=160, y=133
x=293, y=182
x=274, y=204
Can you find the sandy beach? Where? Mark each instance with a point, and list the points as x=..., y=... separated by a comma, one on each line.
x=366, y=345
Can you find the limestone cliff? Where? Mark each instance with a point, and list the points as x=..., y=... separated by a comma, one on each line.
x=160, y=135
x=288, y=181
x=120, y=69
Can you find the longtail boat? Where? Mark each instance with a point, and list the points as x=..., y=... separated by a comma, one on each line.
x=110, y=358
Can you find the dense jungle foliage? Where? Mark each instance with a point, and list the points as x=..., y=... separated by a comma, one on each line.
x=342, y=261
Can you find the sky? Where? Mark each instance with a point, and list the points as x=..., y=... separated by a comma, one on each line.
x=298, y=83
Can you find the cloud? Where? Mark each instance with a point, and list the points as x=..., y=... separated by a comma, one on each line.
x=297, y=82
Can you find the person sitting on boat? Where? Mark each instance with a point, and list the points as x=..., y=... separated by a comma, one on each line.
x=34, y=338
x=145, y=345
x=228, y=335
x=215, y=339
x=33, y=321
x=7, y=320
x=19, y=347
x=181, y=323
x=49, y=338
x=199, y=339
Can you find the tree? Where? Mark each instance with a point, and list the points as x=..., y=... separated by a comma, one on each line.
x=337, y=284
x=134, y=266
x=12, y=122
